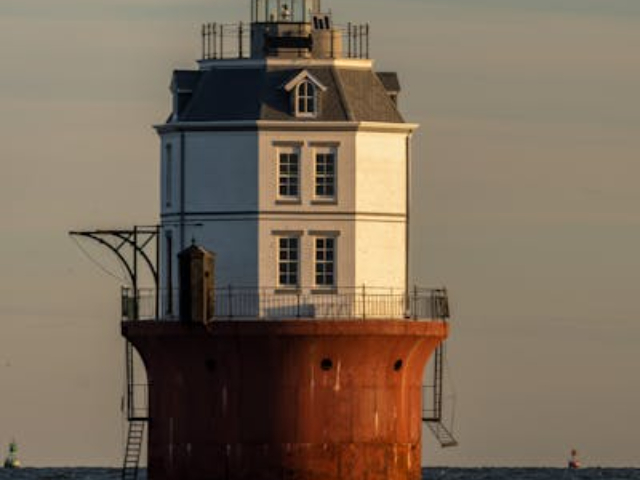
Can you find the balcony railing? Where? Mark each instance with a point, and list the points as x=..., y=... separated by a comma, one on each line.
x=238, y=303
x=233, y=41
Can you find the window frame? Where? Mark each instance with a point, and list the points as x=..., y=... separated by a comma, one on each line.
x=307, y=99
x=325, y=267
x=325, y=179
x=288, y=261
x=285, y=179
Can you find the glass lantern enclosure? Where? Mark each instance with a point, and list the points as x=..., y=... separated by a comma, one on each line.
x=283, y=11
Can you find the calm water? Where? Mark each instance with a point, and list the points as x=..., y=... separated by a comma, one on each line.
x=429, y=474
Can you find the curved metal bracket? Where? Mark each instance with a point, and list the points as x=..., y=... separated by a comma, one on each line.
x=138, y=239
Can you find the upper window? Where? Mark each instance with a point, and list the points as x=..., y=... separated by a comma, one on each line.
x=289, y=175
x=306, y=99
x=325, y=174
x=304, y=89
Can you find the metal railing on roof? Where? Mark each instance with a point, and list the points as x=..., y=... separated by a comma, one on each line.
x=222, y=41
x=357, y=303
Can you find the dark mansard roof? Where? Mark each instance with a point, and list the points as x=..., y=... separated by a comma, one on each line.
x=258, y=93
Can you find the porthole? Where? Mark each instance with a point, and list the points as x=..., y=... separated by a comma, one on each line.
x=398, y=365
x=326, y=364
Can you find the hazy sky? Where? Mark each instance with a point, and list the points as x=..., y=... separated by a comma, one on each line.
x=526, y=207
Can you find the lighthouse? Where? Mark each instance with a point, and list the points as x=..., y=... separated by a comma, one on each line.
x=283, y=339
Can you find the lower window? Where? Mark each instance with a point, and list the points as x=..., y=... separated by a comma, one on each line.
x=325, y=261
x=288, y=261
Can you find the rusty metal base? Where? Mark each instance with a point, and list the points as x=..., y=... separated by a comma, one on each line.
x=304, y=399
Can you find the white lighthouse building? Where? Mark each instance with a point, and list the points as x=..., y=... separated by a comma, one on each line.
x=285, y=172
x=287, y=157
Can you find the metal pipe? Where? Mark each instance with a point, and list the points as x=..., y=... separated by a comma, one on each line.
x=135, y=274
x=368, y=39
x=204, y=51
x=183, y=182
x=158, y=227
x=407, y=211
x=212, y=40
x=222, y=40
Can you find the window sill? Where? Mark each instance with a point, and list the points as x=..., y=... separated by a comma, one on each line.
x=288, y=201
x=287, y=291
x=324, y=201
x=324, y=291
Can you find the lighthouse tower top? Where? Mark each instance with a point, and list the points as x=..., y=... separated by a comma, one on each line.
x=287, y=155
x=285, y=29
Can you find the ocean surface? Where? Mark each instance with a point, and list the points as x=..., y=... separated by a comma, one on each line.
x=429, y=474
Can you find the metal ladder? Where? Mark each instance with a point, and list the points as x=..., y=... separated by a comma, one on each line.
x=133, y=450
x=137, y=420
x=433, y=416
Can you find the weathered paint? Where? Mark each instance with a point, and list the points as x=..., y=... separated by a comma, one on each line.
x=250, y=400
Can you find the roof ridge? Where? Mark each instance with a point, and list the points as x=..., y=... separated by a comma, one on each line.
x=341, y=94
x=195, y=93
x=391, y=103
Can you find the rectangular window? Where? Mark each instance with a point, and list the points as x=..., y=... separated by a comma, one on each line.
x=325, y=175
x=168, y=177
x=289, y=175
x=288, y=261
x=325, y=261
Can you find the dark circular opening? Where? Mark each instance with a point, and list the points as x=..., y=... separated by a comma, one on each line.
x=326, y=364
x=398, y=365
x=211, y=365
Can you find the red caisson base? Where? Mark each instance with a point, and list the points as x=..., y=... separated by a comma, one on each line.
x=303, y=400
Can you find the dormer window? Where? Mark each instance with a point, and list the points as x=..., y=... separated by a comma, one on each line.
x=305, y=91
x=306, y=99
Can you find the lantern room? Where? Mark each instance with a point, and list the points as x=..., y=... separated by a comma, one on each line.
x=284, y=11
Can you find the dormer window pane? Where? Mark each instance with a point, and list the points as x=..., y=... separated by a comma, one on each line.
x=306, y=98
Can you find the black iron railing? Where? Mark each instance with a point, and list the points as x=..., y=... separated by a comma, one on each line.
x=364, y=303
x=233, y=41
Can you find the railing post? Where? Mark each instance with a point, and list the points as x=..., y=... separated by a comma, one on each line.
x=298, y=303
x=230, y=301
x=364, y=300
x=123, y=303
x=367, y=27
x=240, y=32
x=407, y=306
x=213, y=44
x=222, y=40
x=204, y=41
x=349, y=39
x=415, y=301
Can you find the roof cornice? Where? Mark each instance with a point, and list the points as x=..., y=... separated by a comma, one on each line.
x=351, y=63
x=267, y=125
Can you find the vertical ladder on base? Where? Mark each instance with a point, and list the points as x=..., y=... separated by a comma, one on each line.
x=433, y=416
x=137, y=417
x=133, y=450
